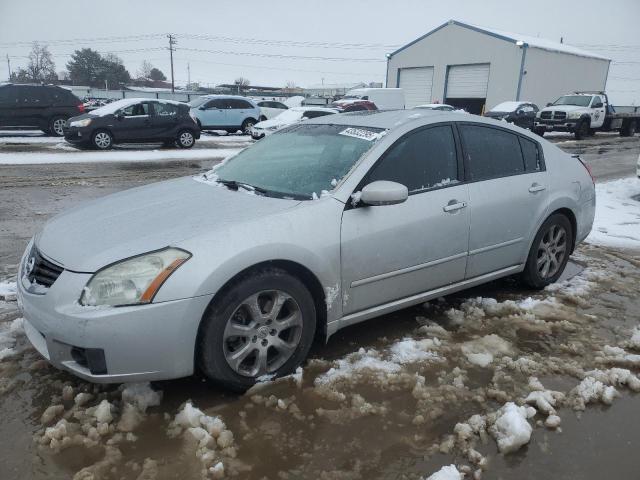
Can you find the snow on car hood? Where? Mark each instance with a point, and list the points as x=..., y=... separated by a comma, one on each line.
x=132, y=222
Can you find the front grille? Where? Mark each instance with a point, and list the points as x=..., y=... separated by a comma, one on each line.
x=545, y=115
x=559, y=115
x=42, y=271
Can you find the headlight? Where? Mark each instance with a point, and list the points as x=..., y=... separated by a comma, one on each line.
x=275, y=127
x=132, y=281
x=81, y=123
x=574, y=115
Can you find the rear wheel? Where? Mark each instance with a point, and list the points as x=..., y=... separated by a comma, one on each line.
x=247, y=125
x=549, y=252
x=263, y=325
x=102, y=140
x=582, y=130
x=628, y=129
x=186, y=139
x=56, y=126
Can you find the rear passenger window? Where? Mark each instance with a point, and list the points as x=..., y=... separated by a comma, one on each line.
x=491, y=153
x=165, y=109
x=424, y=159
x=532, y=160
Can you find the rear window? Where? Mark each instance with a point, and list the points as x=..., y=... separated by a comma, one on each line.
x=491, y=153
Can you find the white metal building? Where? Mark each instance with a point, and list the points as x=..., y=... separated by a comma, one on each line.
x=476, y=68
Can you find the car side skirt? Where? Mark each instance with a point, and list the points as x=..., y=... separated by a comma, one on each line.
x=372, y=312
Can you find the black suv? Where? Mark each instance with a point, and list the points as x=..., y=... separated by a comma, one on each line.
x=46, y=107
x=134, y=120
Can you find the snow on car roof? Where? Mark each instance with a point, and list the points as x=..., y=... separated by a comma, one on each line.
x=506, y=106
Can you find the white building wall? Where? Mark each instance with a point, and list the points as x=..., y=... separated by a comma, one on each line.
x=455, y=45
x=551, y=74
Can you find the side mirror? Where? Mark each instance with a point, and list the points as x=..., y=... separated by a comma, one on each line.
x=119, y=116
x=383, y=192
x=549, y=104
x=598, y=105
x=520, y=112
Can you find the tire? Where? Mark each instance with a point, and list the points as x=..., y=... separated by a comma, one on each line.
x=234, y=361
x=56, y=126
x=628, y=129
x=582, y=130
x=539, y=131
x=246, y=126
x=549, y=252
x=185, y=139
x=102, y=140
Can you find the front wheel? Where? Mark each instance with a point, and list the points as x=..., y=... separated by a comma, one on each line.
x=582, y=130
x=186, y=139
x=549, y=252
x=247, y=125
x=262, y=326
x=102, y=140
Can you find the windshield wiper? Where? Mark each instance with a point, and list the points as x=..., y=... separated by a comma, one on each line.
x=234, y=185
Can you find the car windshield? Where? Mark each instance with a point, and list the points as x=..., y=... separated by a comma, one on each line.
x=196, y=102
x=506, y=107
x=579, y=100
x=301, y=161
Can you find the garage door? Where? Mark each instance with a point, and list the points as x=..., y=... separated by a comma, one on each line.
x=468, y=81
x=416, y=83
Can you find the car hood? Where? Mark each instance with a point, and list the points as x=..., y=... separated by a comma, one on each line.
x=82, y=117
x=132, y=222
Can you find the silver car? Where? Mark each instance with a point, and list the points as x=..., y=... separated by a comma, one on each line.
x=322, y=225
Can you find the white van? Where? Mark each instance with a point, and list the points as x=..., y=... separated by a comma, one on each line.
x=384, y=98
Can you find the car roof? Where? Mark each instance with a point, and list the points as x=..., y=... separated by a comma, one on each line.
x=312, y=108
x=215, y=95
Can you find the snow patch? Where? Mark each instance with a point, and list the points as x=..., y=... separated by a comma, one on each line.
x=512, y=429
x=446, y=473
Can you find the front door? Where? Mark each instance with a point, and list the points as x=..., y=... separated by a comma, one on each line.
x=133, y=122
x=215, y=114
x=598, y=111
x=507, y=196
x=395, y=251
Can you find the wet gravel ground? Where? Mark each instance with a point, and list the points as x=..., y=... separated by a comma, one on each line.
x=381, y=401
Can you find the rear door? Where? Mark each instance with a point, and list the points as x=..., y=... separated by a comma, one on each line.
x=164, y=120
x=395, y=251
x=29, y=106
x=507, y=196
x=8, y=101
x=239, y=111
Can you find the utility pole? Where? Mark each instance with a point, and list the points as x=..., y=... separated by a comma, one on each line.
x=189, y=76
x=9, y=66
x=172, y=42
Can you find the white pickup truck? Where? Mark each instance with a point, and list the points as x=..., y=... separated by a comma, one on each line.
x=583, y=114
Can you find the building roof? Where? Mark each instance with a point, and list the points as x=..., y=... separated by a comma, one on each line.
x=529, y=41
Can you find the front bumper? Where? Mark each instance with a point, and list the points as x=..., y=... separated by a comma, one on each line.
x=568, y=125
x=77, y=135
x=112, y=344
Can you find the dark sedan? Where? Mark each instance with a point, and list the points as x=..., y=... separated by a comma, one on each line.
x=134, y=120
x=521, y=114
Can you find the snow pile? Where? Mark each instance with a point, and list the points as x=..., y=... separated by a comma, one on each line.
x=357, y=365
x=409, y=350
x=8, y=291
x=213, y=443
x=542, y=399
x=481, y=351
x=591, y=390
x=141, y=395
x=617, y=356
x=617, y=219
x=511, y=428
x=634, y=342
x=446, y=473
x=8, y=338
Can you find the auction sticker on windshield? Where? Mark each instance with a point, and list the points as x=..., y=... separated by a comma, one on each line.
x=360, y=133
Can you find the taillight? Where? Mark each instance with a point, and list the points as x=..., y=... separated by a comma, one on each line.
x=81, y=107
x=586, y=166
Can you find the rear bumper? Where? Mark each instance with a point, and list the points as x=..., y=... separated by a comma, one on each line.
x=114, y=344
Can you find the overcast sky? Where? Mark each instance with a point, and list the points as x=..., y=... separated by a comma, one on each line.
x=263, y=41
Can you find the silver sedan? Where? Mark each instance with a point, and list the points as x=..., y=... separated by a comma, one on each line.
x=324, y=224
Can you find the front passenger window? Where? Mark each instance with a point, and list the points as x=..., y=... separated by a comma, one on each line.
x=423, y=159
x=490, y=152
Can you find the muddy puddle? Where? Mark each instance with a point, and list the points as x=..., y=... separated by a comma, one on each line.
x=399, y=397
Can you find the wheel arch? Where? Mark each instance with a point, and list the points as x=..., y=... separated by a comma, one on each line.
x=302, y=273
x=567, y=212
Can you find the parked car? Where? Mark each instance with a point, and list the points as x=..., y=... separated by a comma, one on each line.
x=134, y=120
x=437, y=106
x=46, y=107
x=319, y=226
x=289, y=117
x=354, y=106
x=522, y=114
x=583, y=114
x=225, y=112
x=384, y=98
x=270, y=109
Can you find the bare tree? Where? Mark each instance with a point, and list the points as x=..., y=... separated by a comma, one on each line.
x=242, y=83
x=41, y=67
x=145, y=69
x=291, y=85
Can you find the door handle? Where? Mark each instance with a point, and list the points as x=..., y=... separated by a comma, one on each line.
x=454, y=206
x=536, y=187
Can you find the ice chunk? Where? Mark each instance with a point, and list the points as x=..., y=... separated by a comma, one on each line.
x=141, y=395
x=8, y=291
x=409, y=350
x=446, y=473
x=481, y=351
x=103, y=412
x=512, y=430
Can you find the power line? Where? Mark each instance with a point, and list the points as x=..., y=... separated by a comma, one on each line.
x=276, y=55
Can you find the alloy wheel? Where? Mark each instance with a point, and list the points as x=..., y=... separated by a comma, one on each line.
x=263, y=333
x=551, y=251
x=58, y=126
x=186, y=139
x=102, y=140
